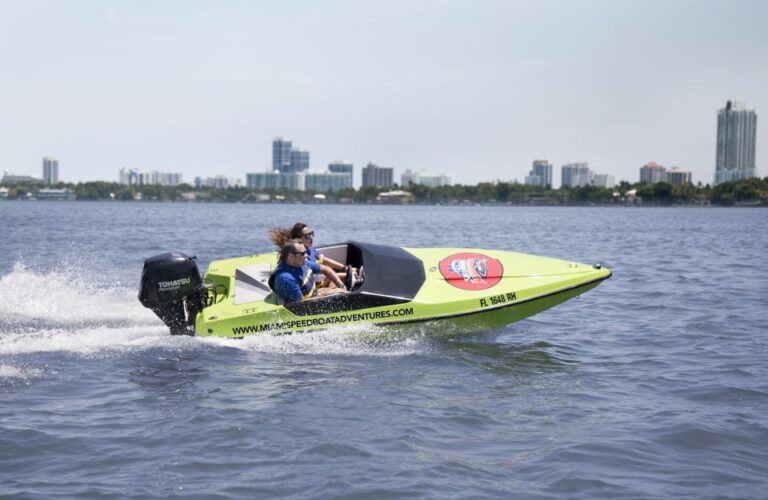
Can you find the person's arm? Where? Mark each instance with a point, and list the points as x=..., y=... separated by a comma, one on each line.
x=336, y=266
x=330, y=273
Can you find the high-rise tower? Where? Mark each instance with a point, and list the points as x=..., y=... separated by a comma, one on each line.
x=736, y=127
x=299, y=161
x=374, y=175
x=342, y=167
x=281, y=155
x=288, y=160
x=50, y=171
x=575, y=175
x=653, y=173
x=540, y=175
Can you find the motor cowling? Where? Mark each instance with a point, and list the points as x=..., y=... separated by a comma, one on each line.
x=172, y=288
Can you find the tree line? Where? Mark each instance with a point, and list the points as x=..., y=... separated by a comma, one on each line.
x=752, y=191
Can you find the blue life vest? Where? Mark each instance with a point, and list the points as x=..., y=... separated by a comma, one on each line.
x=294, y=283
x=314, y=256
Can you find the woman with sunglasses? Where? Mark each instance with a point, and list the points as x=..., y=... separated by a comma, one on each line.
x=302, y=232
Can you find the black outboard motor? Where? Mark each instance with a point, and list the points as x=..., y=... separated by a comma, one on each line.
x=171, y=286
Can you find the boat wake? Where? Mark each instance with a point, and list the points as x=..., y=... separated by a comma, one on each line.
x=358, y=340
x=65, y=300
x=61, y=312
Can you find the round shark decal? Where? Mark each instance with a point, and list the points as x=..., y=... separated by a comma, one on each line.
x=471, y=271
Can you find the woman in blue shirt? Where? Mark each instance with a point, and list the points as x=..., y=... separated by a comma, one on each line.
x=301, y=231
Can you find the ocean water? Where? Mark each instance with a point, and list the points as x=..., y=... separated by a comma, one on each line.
x=652, y=385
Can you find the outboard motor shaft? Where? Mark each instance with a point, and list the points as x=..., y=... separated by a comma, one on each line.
x=171, y=286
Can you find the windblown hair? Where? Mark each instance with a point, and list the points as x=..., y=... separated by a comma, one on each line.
x=288, y=247
x=280, y=236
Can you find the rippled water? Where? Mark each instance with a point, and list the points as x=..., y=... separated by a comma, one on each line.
x=653, y=385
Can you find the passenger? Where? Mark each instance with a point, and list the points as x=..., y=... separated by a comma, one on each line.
x=294, y=278
x=302, y=232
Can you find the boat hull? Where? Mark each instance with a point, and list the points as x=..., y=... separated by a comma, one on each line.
x=459, y=290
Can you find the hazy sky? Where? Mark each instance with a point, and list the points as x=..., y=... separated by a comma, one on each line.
x=473, y=89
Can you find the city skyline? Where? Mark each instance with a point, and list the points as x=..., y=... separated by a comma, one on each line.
x=473, y=91
x=572, y=175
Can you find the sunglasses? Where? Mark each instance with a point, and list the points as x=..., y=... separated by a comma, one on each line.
x=309, y=235
x=298, y=253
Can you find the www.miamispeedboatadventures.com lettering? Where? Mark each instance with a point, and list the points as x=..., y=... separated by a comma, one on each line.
x=324, y=321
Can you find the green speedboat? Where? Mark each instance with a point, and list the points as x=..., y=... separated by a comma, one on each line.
x=462, y=289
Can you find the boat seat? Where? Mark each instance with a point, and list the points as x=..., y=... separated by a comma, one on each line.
x=335, y=252
x=251, y=283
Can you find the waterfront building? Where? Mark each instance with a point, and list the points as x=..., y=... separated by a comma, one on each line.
x=575, y=175
x=322, y=182
x=3, y=192
x=288, y=160
x=424, y=178
x=540, y=174
x=396, y=196
x=603, y=180
x=736, y=139
x=281, y=154
x=165, y=179
x=299, y=161
x=218, y=182
x=678, y=177
x=50, y=171
x=55, y=194
x=373, y=175
x=652, y=173
x=275, y=180
x=533, y=180
x=136, y=177
x=128, y=177
x=262, y=180
x=10, y=178
x=342, y=167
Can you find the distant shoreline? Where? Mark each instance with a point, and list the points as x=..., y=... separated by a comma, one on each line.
x=744, y=193
x=354, y=203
